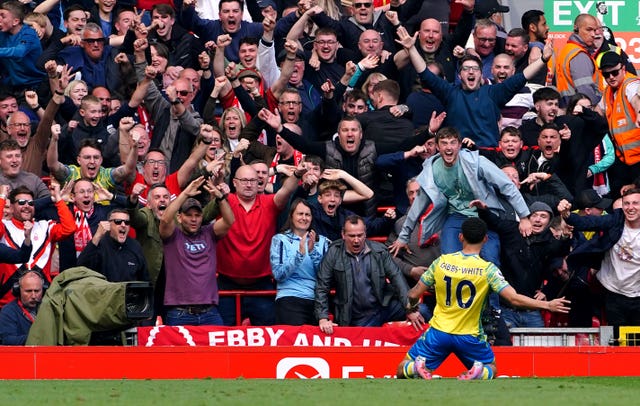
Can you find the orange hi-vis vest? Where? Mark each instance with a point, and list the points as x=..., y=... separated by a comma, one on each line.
x=621, y=117
x=564, y=82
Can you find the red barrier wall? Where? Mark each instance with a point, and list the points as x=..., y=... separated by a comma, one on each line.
x=293, y=362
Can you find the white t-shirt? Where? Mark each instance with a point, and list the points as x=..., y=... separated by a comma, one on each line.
x=620, y=269
x=631, y=90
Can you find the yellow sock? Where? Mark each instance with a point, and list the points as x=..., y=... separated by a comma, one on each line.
x=487, y=373
x=408, y=370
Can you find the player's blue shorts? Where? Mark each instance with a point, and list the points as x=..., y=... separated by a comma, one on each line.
x=435, y=346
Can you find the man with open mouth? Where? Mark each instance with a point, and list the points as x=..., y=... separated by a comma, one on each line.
x=44, y=235
x=113, y=253
x=191, y=293
x=90, y=163
x=473, y=108
x=230, y=22
x=12, y=174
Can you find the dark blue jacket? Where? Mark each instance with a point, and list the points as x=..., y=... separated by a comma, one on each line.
x=14, y=324
x=591, y=253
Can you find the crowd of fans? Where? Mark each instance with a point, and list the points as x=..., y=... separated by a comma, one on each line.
x=257, y=146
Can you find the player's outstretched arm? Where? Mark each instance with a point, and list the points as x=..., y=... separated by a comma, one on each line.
x=559, y=305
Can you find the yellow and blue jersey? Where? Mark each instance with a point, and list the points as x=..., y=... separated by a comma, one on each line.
x=462, y=286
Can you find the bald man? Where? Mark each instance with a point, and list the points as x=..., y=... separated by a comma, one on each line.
x=575, y=67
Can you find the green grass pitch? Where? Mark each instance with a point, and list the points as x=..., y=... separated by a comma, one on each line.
x=334, y=392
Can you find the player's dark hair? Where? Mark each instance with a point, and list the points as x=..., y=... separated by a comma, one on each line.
x=474, y=230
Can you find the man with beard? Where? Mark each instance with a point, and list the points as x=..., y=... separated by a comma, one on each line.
x=511, y=113
x=44, y=235
x=546, y=102
x=517, y=46
x=18, y=315
x=146, y=220
x=12, y=174
x=113, y=253
x=191, y=293
x=230, y=22
x=433, y=46
x=535, y=24
x=473, y=108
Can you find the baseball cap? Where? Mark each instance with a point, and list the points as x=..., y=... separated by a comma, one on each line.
x=189, y=204
x=610, y=59
x=486, y=8
x=283, y=54
x=540, y=206
x=249, y=73
x=267, y=3
x=591, y=198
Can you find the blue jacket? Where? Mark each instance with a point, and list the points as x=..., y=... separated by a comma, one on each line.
x=475, y=114
x=295, y=273
x=485, y=180
x=18, y=56
x=14, y=325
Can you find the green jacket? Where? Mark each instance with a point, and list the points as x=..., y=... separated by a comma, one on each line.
x=78, y=302
x=148, y=235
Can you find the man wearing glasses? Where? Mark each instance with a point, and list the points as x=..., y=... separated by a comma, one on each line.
x=113, y=253
x=155, y=168
x=94, y=59
x=485, y=36
x=243, y=255
x=620, y=104
x=44, y=235
x=363, y=16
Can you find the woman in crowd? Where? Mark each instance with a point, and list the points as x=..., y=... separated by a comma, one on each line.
x=295, y=258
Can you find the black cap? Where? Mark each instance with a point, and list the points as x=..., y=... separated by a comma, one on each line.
x=487, y=8
x=610, y=59
x=267, y=3
x=283, y=54
x=189, y=204
x=590, y=198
